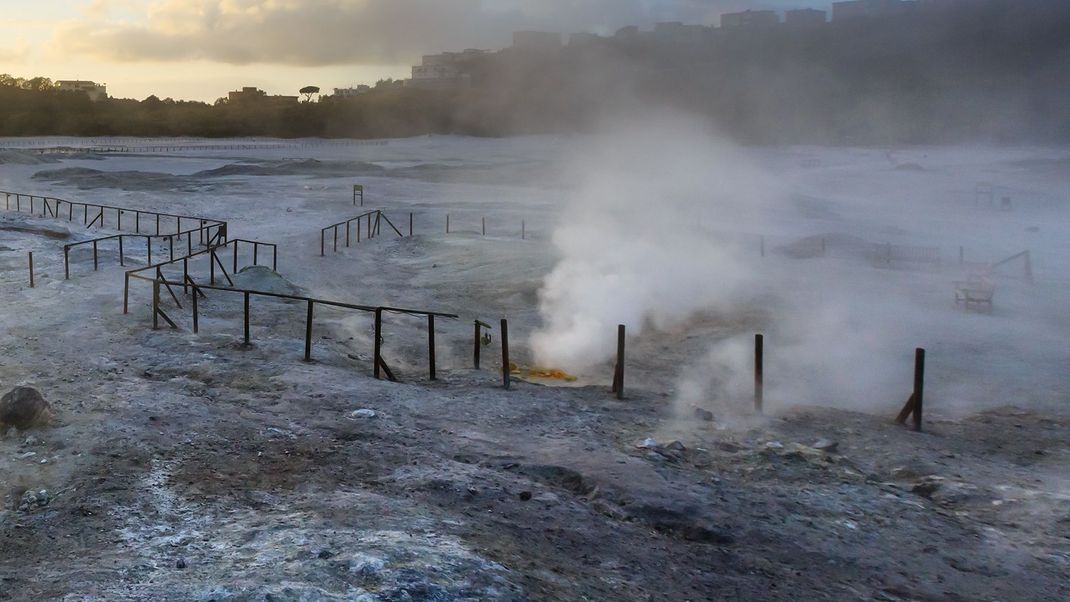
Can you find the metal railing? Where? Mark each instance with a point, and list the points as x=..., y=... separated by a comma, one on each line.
x=373, y=221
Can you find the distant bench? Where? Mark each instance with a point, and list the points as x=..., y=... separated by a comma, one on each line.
x=976, y=291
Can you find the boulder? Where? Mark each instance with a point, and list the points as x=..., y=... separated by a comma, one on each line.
x=23, y=408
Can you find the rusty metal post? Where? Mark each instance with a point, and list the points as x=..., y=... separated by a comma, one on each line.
x=618, y=371
x=431, y=345
x=759, y=373
x=506, y=369
x=31, y=270
x=378, y=339
x=919, y=386
x=308, y=332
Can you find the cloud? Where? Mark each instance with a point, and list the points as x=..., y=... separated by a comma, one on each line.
x=336, y=32
x=17, y=54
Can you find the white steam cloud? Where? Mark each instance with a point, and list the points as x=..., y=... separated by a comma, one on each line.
x=631, y=249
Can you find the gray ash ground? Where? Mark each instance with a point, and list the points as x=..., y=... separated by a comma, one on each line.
x=187, y=467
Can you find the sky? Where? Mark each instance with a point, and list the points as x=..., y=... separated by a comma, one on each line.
x=201, y=49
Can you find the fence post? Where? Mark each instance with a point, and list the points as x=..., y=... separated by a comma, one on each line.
x=447, y=223
x=506, y=371
x=475, y=350
x=155, y=304
x=148, y=250
x=66, y=262
x=618, y=370
x=323, y=235
x=31, y=270
x=126, y=293
x=196, y=315
x=122, y=259
x=523, y=230
x=378, y=339
x=211, y=266
x=484, y=226
x=246, y=318
x=308, y=333
x=919, y=386
x=234, y=260
x=431, y=344
x=759, y=373
x=410, y=224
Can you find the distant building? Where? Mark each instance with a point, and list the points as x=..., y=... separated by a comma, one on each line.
x=678, y=32
x=94, y=90
x=867, y=9
x=536, y=40
x=805, y=17
x=446, y=70
x=351, y=92
x=253, y=94
x=750, y=19
x=584, y=39
x=627, y=33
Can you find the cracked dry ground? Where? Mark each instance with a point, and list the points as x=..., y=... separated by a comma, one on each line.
x=251, y=483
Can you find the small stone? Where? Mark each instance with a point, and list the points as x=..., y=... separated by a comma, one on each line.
x=648, y=443
x=774, y=445
x=525, y=496
x=31, y=441
x=363, y=414
x=826, y=445
x=180, y=564
x=325, y=555
x=704, y=415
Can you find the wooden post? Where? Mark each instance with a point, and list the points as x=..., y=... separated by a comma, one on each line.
x=431, y=344
x=618, y=370
x=475, y=350
x=759, y=373
x=155, y=304
x=378, y=339
x=919, y=386
x=31, y=270
x=246, y=318
x=506, y=371
x=196, y=315
x=308, y=333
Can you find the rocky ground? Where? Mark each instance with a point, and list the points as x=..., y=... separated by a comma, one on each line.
x=226, y=480
x=190, y=467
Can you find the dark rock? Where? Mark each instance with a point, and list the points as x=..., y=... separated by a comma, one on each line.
x=180, y=564
x=23, y=408
x=826, y=445
x=704, y=415
x=525, y=496
x=325, y=555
